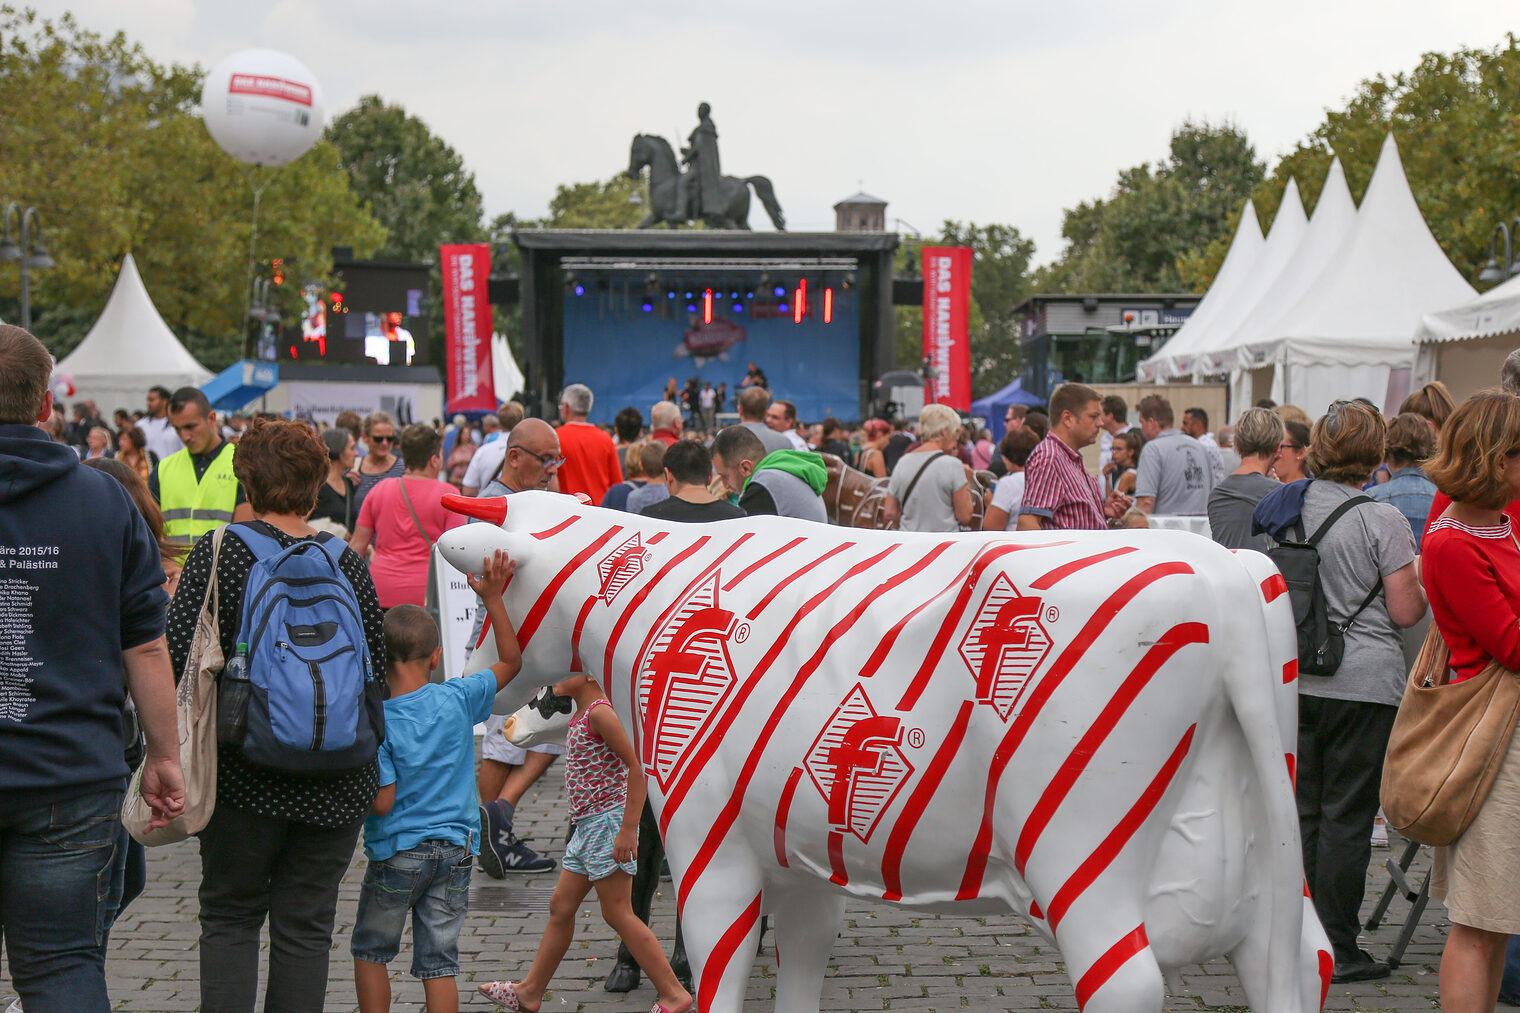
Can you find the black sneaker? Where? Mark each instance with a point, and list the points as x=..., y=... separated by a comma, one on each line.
x=495, y=841
x=521, y=858
x=1360, y=967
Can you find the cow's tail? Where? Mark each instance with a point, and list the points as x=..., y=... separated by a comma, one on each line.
x=1264, y=696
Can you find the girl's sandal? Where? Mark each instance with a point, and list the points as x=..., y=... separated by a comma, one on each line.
x=502, y=993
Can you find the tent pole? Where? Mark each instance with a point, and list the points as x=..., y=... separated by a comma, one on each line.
x=261, y=180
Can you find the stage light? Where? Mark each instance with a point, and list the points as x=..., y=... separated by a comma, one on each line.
x=580, y=290
x=781, y=307
x=670, y=295
x=780, y=291
x=707, y=299
x=828, y=305
x=647, y=307
x=691, y=307
x=749, y=295
x=688, y=295
x=799, y=308
x=738, y=308
x=733, y=295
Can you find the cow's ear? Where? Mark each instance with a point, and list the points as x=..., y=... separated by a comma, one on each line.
x=490, y=508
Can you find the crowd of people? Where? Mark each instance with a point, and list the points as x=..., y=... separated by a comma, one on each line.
x=1410, y=515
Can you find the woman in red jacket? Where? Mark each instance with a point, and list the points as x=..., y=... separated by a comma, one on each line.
x=1471, y=572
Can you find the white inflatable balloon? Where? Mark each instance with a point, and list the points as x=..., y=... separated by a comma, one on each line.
x=263, y=107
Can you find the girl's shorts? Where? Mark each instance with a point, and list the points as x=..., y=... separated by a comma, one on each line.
x=590, y=851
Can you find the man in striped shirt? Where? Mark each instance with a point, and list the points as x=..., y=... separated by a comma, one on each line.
x=1059, y=494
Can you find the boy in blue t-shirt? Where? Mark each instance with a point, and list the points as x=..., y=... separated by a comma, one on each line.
x=426, y=828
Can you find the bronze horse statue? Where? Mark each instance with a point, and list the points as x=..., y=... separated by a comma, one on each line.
x=665, y=177
x=854, y=499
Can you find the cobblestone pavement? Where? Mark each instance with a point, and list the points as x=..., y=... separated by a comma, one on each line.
x=886, y=958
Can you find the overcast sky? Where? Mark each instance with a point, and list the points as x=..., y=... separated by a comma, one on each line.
x=969, y=109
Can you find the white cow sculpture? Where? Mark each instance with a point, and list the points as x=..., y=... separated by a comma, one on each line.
x=1093, y=730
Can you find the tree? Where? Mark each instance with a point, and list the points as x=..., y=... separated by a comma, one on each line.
x=109, y=147
x=599, y=205
x=1456, y=119
x=1156, y=217
x=413, y=182
x=999, y=281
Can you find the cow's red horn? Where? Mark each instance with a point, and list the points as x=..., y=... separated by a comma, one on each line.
x=492, y=508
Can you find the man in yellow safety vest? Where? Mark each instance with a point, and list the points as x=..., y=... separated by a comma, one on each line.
x=195, y=487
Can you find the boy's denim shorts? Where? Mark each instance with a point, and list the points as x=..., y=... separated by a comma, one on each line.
x=432, y=881
x=589, y=852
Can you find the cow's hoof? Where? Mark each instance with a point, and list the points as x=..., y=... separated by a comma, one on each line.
x=624, y=978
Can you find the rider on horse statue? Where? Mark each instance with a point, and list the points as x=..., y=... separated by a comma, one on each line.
x=701, y=193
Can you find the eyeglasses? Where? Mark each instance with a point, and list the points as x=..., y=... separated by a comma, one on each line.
x=1332, y=420
x=381, y=439
x=547, y=462
x=1289, y=446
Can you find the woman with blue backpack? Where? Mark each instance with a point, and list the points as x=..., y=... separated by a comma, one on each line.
x=300, y=720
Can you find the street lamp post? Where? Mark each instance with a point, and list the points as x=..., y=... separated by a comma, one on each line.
x=1496, y=270
x=33, y=256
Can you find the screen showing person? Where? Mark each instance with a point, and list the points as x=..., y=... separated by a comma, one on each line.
x=386, y=340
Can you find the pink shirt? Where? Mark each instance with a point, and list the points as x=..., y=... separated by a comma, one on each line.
x=595, y=779
x=400, y=565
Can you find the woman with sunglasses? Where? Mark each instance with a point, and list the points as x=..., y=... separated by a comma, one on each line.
x=382, y=461
x=1290, y=464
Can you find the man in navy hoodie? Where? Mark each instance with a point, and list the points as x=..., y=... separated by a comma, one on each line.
x=81, y=623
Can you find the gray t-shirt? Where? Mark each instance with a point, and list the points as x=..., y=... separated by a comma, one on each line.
x=771, y=440
x=1369, y=541
x=646, y=495
x=1230, y=507
x=1175, y=469
x=931, y=507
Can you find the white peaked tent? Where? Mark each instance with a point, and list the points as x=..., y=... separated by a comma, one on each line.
x=1284, y=239
x=1333, y=216
x=1351, y=332
x=1176, y=357
x=130, y=349
x=1464, y=347
x=506, y=376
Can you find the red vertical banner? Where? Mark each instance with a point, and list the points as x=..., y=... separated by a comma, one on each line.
x=947, y=315
x=467, y=326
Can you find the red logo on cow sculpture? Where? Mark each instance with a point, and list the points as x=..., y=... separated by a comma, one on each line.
x=620, y=566
x=857, y=764
x=684, y=679
x=1005, y=645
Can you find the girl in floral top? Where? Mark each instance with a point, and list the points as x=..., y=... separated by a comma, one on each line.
x=606, y=787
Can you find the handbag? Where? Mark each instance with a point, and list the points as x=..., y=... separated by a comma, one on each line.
x=1447, y=744
x=195, y=712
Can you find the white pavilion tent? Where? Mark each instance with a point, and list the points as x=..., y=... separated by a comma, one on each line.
x=1176, y=357
x=129, y=349
x=1283, y=240
x=1465, y=346
x=1334, y=214
x=1351, y=332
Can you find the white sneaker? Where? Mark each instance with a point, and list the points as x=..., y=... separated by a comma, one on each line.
x=1379, y=833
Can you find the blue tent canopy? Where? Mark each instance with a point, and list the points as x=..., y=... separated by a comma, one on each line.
x=995, y=405
x=240, y=383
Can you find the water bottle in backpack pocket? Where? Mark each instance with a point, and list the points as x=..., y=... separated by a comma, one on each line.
x=314, y=705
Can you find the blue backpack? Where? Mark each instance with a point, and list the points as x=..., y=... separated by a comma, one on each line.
x=314, y=705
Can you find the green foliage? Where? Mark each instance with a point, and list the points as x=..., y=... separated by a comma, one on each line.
x=1456, y=118
x=110, y=149
x=1137, y=238
x=413, y=182
x=601, y=205
x=999, y=282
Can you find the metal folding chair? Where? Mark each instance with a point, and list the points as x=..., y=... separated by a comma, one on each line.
x=1398, y=883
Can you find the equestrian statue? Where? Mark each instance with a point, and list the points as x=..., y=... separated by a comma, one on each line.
x=701, y=193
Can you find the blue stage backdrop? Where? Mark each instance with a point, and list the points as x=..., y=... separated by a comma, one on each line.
x=625, y=337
